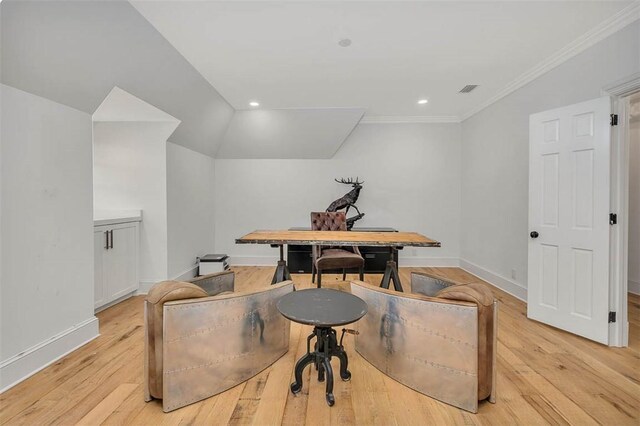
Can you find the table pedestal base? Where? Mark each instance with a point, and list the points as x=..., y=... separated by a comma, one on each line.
x=391, y=272
x=326, y=346
x=282, y=271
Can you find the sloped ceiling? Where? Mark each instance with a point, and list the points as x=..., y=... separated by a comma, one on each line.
x=286, y=54
x=288, y=133
x=122, y=106
x=74, y=53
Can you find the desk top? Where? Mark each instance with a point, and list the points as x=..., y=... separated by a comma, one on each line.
x=322, y=307
x=341, y=238
x=355, y=229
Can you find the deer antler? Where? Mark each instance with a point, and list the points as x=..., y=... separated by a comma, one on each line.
x=349, y=181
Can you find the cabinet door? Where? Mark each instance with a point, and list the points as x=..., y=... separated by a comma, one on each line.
x=99, y=251
x=121, y=261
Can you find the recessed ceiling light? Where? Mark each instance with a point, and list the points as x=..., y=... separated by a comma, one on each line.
x=422, y=101
x=345, y=42
x=254, y=104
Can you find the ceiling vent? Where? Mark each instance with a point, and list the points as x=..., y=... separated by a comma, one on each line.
x=468, y=88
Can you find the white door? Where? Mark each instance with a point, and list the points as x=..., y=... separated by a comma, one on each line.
x=568, y=285
x=121, y=261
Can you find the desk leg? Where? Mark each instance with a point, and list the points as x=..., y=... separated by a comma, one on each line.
x=391, y=273
x=282, y=271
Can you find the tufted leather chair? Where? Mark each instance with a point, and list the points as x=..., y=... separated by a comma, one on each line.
x=333, y=257
x=201, y=338
x=440, y=339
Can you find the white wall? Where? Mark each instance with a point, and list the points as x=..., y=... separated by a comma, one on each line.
x=288, y=133
x=47, y=233
x=130, y=172
x=634, y=205
x=190, y=208
x=412, y=183
x=495, y=154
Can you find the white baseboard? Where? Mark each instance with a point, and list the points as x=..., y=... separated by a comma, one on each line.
x=25, y=364
x=145, y=286
x=411, y=261
x=187, y=274
x=634, y=287
x=115, y=302
x=253, y=260
x=499, y=281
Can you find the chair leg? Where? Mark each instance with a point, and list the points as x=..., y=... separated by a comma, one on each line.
x=313, y=273
x=361, y=273
x=344, y=274
x=319, y=278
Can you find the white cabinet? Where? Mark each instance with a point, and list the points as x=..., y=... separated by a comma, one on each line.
x=116, y=262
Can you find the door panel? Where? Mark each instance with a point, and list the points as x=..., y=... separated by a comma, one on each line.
x=549, y=275
x=582, y=196
x=99, y=244
x=121, y=261
x=550, y=201
x=568, y=207
x=582, y=282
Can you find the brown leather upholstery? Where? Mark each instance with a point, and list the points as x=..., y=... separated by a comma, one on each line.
x=333, y=257
x=160, y=293
x=328, y=221
x=202, y=339
x=469, y=290
x=441, y=343
x=481, y=295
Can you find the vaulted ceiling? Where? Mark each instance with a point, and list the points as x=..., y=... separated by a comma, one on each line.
x=203, y=62
x=287, y=54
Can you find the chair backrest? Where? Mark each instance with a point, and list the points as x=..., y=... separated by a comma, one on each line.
x=328, y=221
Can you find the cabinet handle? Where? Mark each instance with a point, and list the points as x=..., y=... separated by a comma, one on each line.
x=106, y=237
x=111, y=233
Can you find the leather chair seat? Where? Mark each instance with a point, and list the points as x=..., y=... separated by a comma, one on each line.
x=338, y=258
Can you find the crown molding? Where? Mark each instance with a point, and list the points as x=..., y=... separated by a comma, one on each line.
x=397, y=119
x=623, y=87
x=603, y=30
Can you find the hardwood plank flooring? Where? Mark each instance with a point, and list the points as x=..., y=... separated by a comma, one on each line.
x=545, y=376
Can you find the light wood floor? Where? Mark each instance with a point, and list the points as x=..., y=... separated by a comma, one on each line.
x=545, y=376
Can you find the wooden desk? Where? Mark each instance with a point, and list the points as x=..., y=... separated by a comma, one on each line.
x=300, y=257
x=393, y=240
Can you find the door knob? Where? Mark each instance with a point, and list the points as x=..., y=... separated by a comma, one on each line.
x=534, y=234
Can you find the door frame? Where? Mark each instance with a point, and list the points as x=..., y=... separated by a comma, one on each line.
x=619, y=244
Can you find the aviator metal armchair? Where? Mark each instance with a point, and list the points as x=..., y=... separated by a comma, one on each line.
x=202, y=339
x=440, y=340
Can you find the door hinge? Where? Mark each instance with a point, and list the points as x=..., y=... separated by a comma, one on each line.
x=614, y=119
x=613, y=219
x=612, y=317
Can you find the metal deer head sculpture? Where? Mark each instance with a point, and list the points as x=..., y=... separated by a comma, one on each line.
x=348, y=200
x=356, y=184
